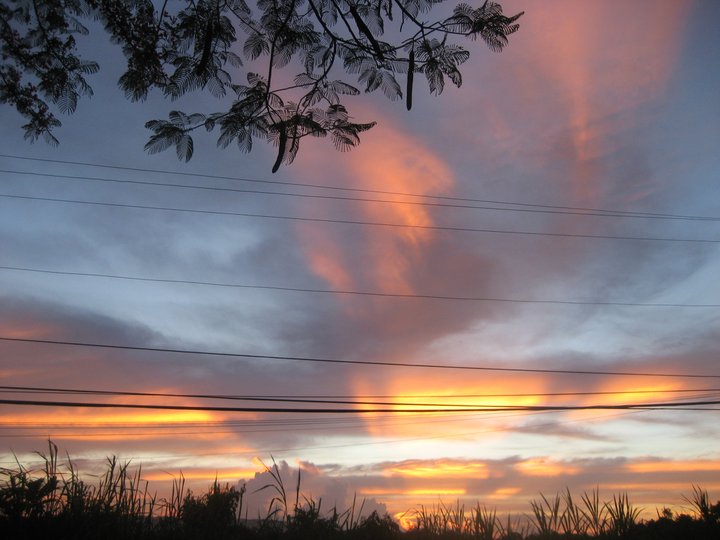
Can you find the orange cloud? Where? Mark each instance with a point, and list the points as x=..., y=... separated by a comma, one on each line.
x=8, y=373
x=637, y=393
x=603, y=66
x=17, y=330
x=392, y=161
x=451, y=391
x=84, y=419
x=545, y=467
x=439, y=469
x=222, y=475
x=576, y=81
x=674, y=466
x=505, y=493
x=434, y=491
x=324, y=260
x=656, y=487
x=122, y=425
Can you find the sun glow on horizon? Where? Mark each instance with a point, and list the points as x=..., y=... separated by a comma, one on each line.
x=673, y=466
x=441, y=469
x=545, y=467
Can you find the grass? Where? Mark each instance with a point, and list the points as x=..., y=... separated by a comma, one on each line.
x=55, y=502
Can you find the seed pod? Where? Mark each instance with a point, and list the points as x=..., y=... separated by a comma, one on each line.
x=281, y=148
x=368, y=34
x=207, y=47
x=410, y=75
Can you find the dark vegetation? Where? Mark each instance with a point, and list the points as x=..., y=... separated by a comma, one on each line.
x=281, y=69
x=55, y=503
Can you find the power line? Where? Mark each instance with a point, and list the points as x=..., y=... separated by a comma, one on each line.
x=360, y=190
x=355, y=362
x=594, y=213
x=300, y=424
x=315, y=422
x=306, y=425
x=350, y=400
x=357, y=222
x=320, y=422
x=312, y=410
x=303, y=429
x=50, y=390
x=36, y=390
x=356, y=293
x=276, y=451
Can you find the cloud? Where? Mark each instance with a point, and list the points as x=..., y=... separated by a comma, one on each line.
x=562, y=431
x=509, y=483
x=312, y=485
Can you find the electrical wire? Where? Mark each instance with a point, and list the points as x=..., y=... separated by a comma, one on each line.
x=277, y=451
x=356, y=293
x=349, y=400
x=57, y=431
x=359, y=222
x=28, y=389
x=357, y=362
x=596, y=213
x=311, y=410
x=358, y=190
x=286, y=424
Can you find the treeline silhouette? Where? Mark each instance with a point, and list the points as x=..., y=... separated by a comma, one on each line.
x=55, y=503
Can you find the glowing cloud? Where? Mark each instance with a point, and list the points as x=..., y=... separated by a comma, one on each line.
x=221, y=475
x=505, y=493
x=392, y=161
x=439, y=469
x=674, y=466
x=545, y=467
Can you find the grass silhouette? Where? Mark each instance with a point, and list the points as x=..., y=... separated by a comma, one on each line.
x=55, y=503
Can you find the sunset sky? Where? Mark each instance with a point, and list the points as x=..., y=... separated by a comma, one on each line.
x=609, y=106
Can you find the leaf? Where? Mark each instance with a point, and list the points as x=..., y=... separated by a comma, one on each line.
x=390, y=86
x=455, y=77
x=158, y=143
x=215, y=86
x=344, y=88
x=337, y=113
x=244, y=141
x=255, y=45
x=184, y=147
x=88, y=68
x=434, y=77
x=373, y=79
x=313, y=97
x=67, y=101
x=254, y=79
x=342, y=141
x=178, y=118
x=234, y=60
x=304, y=79
x=48, y=137
x=345, y=135
x=195, y=118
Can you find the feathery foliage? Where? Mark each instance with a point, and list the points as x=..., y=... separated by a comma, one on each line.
x=336, y=48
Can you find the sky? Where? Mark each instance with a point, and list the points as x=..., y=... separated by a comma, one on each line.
x=594, y=105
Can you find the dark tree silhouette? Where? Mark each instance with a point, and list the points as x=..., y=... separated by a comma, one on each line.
x=183, y=46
